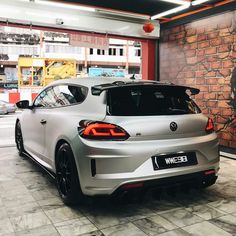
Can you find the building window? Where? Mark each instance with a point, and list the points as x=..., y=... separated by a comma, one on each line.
x=100, y=52
x=121, y=51
x=91, y=51
x=112, y=51
x=137, y=52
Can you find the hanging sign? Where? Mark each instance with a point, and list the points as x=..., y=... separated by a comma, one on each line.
x=89, y=41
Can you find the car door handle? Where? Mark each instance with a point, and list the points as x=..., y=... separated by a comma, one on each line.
x=43, y=122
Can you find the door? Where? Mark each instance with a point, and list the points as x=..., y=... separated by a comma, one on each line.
x=34, y=122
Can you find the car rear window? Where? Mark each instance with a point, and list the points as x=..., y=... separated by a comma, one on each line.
x=149, y=100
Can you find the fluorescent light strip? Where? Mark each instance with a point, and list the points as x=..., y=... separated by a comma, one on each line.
x=180, y=2
x=62, y=5
x=171, y=11
x=124, y=14
x=197, y=2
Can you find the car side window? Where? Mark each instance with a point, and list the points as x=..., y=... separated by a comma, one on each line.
x=69, y=94
x=45, y=99
x=61, y=95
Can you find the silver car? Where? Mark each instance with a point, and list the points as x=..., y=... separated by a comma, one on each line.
x=11, y=107
x=104, y=136
x=3, y=109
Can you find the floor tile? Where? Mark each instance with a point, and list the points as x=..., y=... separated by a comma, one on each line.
x=181, y=217
x=205, y=228
x=16, y=200
x=122, y=230
x=29, y=221
x=106, y=219
x=3, y=213
x=205, y=212
x=133, y=212
x=227, y=223
x=94, y=233
x=51, y=203
x=175, y=232
x=161, y=206
x=62, y=214
x=224, y=205
x=75, y=227
x=5, y=227
x=46, y=230
x=23, y=209
x=43, y=194
x=154, y=225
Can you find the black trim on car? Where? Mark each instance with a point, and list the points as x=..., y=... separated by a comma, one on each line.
x=193, y=180
x=42, y=167
x=98, y=89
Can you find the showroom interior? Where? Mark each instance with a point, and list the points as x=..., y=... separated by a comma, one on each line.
x=190, y=43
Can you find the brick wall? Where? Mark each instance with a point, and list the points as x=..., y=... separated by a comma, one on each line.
x=202, y=54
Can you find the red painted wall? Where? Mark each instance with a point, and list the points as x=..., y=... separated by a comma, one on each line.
x=14, y=97
x=202, y=54
x=148, y=59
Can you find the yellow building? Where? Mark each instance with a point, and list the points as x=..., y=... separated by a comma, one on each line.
x=35, y=72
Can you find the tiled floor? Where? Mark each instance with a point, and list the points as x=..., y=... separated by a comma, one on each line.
x=29, y=205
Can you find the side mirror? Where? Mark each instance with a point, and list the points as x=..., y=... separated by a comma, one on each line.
x=24, y=104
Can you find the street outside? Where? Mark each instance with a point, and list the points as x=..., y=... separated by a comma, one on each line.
x=7, y=129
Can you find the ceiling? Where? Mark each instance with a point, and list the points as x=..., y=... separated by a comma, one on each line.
x=148, y=7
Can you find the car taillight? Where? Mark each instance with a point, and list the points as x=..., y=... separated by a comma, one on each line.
x=102, y=131
x=210, y=126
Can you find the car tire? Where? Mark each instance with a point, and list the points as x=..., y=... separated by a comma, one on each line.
x=67, y=177
x=19, y=139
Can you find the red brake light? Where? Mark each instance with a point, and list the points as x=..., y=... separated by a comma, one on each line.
x=99, y=130
x=209, y=126
x=209, y=172
x=134, y=185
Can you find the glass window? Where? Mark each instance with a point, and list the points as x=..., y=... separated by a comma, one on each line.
x=45, y=99
x=149, y=100
x=121, y=52
x=61, y=95
x=91, y=51
x=137, y=52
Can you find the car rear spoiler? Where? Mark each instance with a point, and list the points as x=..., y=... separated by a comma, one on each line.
x=98, y=89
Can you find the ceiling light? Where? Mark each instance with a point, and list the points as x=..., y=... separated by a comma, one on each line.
x=180, y=2
x=124, y=14
x=62, y=5
x=171, y=11
x=197, y=2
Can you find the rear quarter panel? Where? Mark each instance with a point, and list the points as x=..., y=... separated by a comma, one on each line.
x=62, y=123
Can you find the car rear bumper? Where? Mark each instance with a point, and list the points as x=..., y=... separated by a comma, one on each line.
x=194, y=180
x=104, y=167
